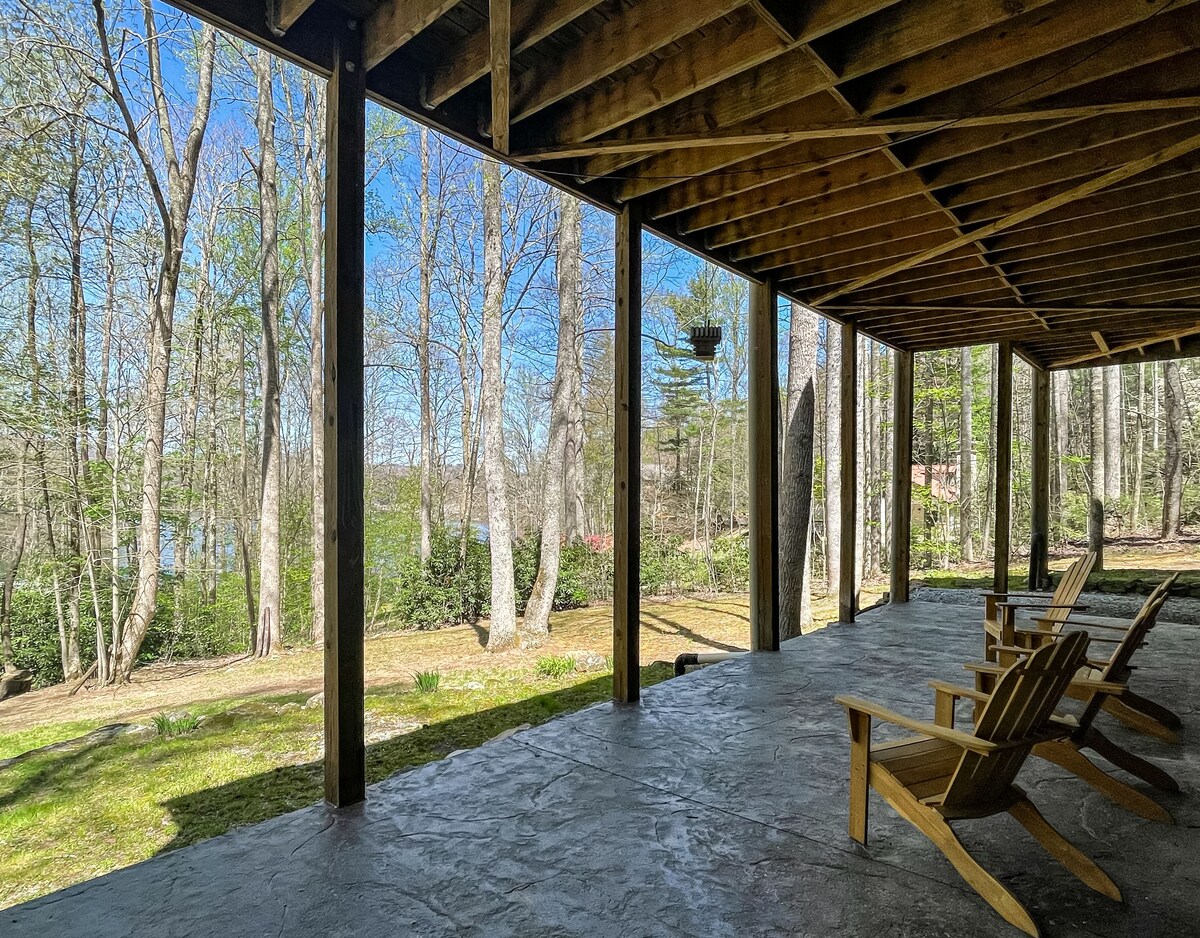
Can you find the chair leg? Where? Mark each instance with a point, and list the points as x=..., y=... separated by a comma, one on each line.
x=860, y=759
x=1066, y=755
x=1133, y=764
x=1139, y=721
x=1156, y=711
x=1063, y=850
x=934, y=826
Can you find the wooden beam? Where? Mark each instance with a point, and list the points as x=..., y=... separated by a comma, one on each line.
x=627, y=461
x=345, y=266
x=762, y=133
x=847, y=580
x=1141, y=344
x=784, y=17
x=1073, y=194
x=627, y=36
x=1039, y=492
x=764, y=467
x=1003, y=446
x=395, y=23
x=1100, y=343
x=902, y=444
x=465, y=62
x=499, y=24
x=286, y=12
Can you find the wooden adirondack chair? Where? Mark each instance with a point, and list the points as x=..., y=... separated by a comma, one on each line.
x=943, y=775
x=1132, y=709
x=1097, y=682
x=1000, y=609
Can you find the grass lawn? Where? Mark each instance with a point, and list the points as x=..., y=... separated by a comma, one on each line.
x=72, y=814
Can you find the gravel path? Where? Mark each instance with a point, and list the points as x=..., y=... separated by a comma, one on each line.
x=1180, y=609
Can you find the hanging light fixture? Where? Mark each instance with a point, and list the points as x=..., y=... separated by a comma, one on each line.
x=704, y=341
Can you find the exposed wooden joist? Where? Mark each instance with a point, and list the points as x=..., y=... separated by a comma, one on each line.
x=345, y=439
x=467, y=61
x=499, y=23
x=762, y=132
x=764, y=467
x=1064, y=198
x=1100, y=343
x=395, y=23
x=286, y=12
x=1172, y=336
x=626, y=37
x=627, y=459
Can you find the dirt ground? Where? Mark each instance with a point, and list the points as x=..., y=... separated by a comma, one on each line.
x=668, y=629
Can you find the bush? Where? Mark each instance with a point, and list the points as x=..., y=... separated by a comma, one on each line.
x=427, y=681
x=175, y=724
x=554, y=666
x=446, y=591
x=569, y=592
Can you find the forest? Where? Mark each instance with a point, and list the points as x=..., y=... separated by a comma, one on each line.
x=161, y=374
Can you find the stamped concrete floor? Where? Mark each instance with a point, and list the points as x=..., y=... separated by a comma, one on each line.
x=717, y=807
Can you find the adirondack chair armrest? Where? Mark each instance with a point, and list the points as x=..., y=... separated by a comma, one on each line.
x=957, y=691
x=1041, y=605
x=1089, y=624
x=964, y=740
x=1112, y=688
x=984, y=667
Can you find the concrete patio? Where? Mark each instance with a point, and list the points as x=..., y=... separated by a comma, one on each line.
x=717, y=807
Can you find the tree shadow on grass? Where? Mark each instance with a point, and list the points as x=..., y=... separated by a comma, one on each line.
x=676, y=628
x=206, y=813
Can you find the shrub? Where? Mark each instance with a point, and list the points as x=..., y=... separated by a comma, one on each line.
x=427, y=681
x=175, y=724
x=569, y=592
x=554, y=665
x=446, y=590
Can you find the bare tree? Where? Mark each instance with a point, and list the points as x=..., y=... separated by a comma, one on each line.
x=1113, y=411
x=173, y=202
x=267, y=171
x=1099, y=451
x=1060, y=385
x=536, y=625
x=503, y=631
x=966, y=460
x=427, y=248
x=1173, y=456
x=833, y=450
x=795, y=496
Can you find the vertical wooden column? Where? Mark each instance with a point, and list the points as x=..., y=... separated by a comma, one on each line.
x=1004, y=415
x=902, y=444
x=627, y=458
x=1039, y=493
x=847, y=587
x=345, y=753
x=764, y=467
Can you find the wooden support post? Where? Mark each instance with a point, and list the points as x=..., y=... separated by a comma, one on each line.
x=500, y=49
x=902, y=443
x=847, y=582
x=627, y=461
x=1039, y=493
x=764, y=467
x=345, y=752
x=1004, y=414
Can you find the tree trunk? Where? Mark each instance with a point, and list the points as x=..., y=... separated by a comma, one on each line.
x=966, y=460
x=556, y=506
x=1173, y=457
x=466, y=377
x=1061, y=389
x=1139, y=450
x=269, y=598
x=1099, y=450
x=314, y=159
x=833, y=450
x=174, y=206
x=7, y=658
x=427, y=250
x=503, y=631
x=796, y=482
x=1113, y=408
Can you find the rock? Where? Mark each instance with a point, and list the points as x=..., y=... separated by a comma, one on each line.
x=474, y=685
x=292, y=705
x=15, y=682
x=508, y=732
x=315, y=701
x=588, y=660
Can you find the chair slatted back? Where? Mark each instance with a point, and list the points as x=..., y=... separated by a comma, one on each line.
x=1020, y=706
x=1068, y=591
x=1117, y=669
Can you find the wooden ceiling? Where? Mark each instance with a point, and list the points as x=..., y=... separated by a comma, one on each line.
x=938, y=172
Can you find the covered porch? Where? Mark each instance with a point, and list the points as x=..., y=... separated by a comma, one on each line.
x=717, y=807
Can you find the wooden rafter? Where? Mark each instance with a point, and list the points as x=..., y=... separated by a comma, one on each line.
x=499, y=24
x=396, y=22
